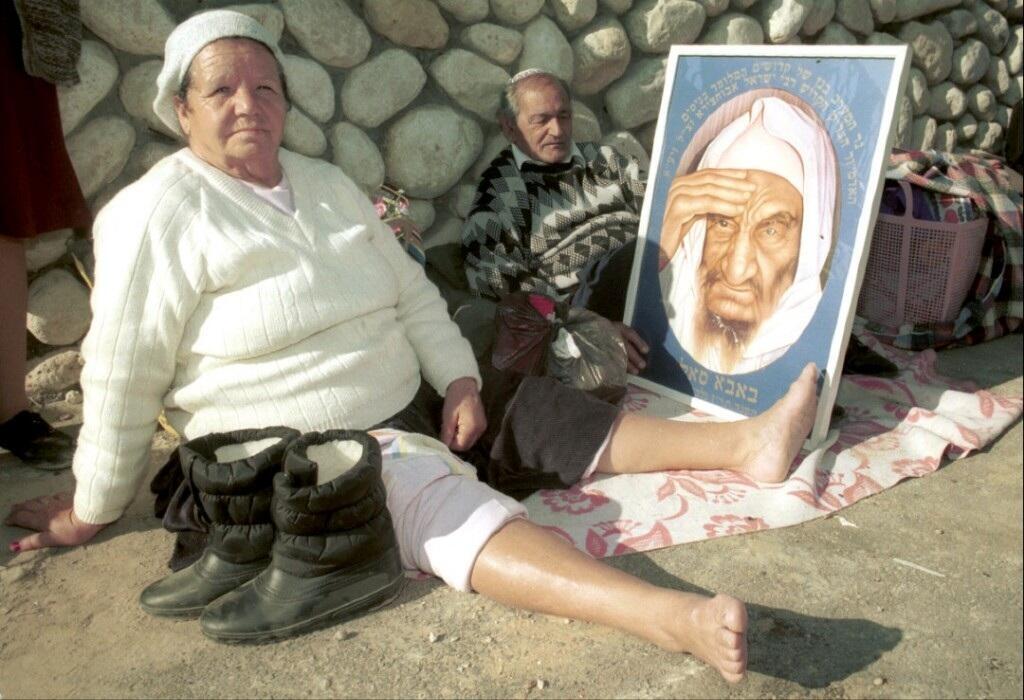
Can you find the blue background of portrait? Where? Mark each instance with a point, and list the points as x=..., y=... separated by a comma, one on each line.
x=844, y=91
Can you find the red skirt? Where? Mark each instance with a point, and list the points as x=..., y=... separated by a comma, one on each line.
x=39, y=191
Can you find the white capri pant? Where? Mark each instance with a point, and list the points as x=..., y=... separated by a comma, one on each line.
x=442, y=515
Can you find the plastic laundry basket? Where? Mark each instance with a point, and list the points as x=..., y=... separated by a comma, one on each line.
x=919, y=271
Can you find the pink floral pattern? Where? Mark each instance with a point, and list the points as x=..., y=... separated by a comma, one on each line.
x=893, y=429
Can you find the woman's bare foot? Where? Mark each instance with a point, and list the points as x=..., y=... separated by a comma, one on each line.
x=712, y=629
x=776, y=435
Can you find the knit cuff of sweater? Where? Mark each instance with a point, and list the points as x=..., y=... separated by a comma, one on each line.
x=98, y=514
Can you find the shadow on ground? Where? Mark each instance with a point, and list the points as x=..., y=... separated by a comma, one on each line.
x=813, y=652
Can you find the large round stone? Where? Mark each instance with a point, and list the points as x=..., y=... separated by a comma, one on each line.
x=446, y=229
x=989, y=136
x=655, y=25
x=818, y=18
x=545, y=47
x=882, y=39
x=302, y=135
x=99, y=152
x=856, y=16
x=422, y=213
x=602, y=54
x=931, y=47
x=466, y=11
x=1013, y=94
x=946, y=102
x=515, y=11
x=945, y=138
x=414, y=23
x=310, y=87
x=46, y=249
x=137, y=92
x=1012, y=54
x=970, y=61
x=97, y=73
x=151, y=154
x=733, y=28
x=959, y=22
x=993, y=28
x=909, y=9
x=139, y=27
x=835, y=34
x=616, y=7
x=473, y=82
x=53, y=373
x=981, y=102
x=628, y=145
x=428, y=148
x=500, y=44
x=782, y=19
x=357, y=155
x=884, y=11
x=328, y=30
x=713, y=8
x=585, y=126
x=495, y=144
x=917, y=90
x=923, y=133
x=997, y=76
x=967, y=127
x=573, y=14
x=269, y=16
x=376, y=91
x=58, y=308
x=459, y=199
x=904, y=122
x=635, y=98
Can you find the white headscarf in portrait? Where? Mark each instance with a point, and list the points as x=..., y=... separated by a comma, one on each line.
x=766, y=138
x=188, y=39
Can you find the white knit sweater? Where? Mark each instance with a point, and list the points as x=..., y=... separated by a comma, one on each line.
x=217, y=307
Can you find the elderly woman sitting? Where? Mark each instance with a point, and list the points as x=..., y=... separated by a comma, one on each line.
x=239, y=285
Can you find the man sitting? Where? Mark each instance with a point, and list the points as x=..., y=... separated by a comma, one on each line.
x=552, y=216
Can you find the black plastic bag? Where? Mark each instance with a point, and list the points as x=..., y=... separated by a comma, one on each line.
x=588, y=353
x=524, y=328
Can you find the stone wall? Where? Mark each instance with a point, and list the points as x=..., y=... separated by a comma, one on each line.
x=404, y=91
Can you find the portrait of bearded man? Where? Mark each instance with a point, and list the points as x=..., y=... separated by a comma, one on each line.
x=748, y=233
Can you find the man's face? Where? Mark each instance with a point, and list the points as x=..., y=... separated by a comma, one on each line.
x=750, y=260
x=235, y=108
x=543, y=128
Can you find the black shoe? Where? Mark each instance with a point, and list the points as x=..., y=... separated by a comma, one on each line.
x=234, y=498
x=335, y=554
x=36, y=443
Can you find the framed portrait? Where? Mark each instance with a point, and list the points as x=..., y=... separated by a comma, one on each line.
x=765, y=180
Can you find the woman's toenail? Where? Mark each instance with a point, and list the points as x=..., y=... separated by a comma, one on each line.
x=15, y=546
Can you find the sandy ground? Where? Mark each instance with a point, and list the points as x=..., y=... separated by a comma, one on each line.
x=833, y=613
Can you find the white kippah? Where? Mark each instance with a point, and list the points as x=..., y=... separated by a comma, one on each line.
x=188, y=39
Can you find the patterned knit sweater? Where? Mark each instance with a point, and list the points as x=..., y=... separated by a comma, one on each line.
x=220, y=309
x=538, y=228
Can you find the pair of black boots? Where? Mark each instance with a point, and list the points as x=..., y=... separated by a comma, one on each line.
x=285, y=555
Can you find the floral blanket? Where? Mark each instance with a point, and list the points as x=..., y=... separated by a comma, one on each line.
x=893, y=429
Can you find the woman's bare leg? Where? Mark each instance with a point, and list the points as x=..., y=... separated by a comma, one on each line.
x=525, y=566
x=762, y=447
x=13, y=303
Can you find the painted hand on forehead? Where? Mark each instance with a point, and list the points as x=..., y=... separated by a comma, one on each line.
x=749, y=260
x=711, y=191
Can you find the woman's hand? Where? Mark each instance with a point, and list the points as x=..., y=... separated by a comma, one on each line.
x=54, y=519
x=710, y=191
x=462, y=418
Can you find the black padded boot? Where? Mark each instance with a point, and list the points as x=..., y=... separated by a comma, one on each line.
x=233, y=497
x=335, y=554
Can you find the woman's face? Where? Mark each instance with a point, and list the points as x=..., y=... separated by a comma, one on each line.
x=234, y=111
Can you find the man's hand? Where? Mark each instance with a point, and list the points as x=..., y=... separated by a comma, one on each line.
x=636, y=348
x=55, y=523
x=462, y=418
x=709, y=191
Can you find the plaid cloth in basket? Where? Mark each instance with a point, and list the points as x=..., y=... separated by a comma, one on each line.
x=995, y=303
